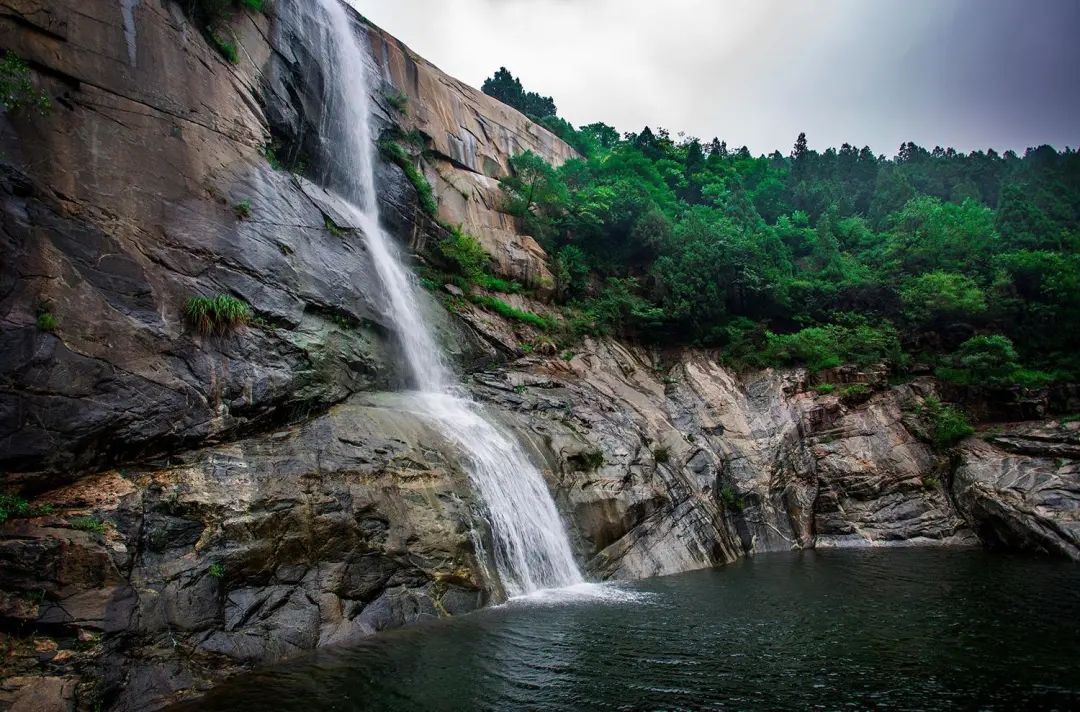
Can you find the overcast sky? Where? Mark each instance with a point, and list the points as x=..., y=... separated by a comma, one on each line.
x=962, y=73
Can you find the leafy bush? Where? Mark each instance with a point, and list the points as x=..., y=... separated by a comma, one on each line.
x=216, y=315
x=243, y=209
x=503, y=309
x=216, y=570
x=990, y=361
x=395, y=153
x=661, y=455
x=466, y=254
x=946, y=424
x=937, y=296
x=830, y=346
x=16, y=90
x=825, y=388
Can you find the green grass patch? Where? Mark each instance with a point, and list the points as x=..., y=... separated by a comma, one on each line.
x=505, y=310
x=12, y=507
x=88, y=524
x=46, y=320
x=216, y=315
x=226, y=48
x=855, y=390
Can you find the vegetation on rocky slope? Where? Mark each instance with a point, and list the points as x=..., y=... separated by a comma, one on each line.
x=968, y=262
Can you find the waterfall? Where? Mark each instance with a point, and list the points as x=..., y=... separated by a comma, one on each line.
x=530, y=548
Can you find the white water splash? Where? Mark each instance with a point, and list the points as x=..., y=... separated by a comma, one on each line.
x=529, y=545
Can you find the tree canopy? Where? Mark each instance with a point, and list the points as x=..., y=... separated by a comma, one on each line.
x=933, y=255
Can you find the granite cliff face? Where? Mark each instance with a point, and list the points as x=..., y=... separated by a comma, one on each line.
x=218, y=502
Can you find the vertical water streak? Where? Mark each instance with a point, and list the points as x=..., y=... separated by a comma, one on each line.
x=529, y=545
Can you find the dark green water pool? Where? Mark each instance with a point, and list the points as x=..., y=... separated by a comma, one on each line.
x=886, y=629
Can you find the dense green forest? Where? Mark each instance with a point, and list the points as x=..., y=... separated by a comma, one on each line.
x=968, y=263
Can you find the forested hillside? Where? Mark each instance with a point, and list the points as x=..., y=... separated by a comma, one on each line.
x=967, y=263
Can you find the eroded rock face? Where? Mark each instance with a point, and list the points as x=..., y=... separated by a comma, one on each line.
x=669, y=462
x=1021, y=488
x=252, y=552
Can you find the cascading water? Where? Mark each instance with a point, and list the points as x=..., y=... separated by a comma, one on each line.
x=530, y=548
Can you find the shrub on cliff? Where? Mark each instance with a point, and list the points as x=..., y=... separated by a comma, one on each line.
x=216, y=315
x=465, y=253
x=946, y=424
x=16, y=90
x=821, y=347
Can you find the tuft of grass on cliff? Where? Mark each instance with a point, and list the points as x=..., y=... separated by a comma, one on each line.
x=216, y=315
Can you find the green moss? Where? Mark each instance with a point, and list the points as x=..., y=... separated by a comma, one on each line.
x=332, y=227
x=216, y=315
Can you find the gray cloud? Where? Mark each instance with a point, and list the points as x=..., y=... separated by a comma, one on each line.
x=962, y=73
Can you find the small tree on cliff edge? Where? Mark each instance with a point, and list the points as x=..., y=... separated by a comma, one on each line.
x=507, y=88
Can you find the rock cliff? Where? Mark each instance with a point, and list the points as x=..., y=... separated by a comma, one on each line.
x=206, y=503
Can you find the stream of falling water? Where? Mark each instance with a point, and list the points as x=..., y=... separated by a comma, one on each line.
x=529, y=545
